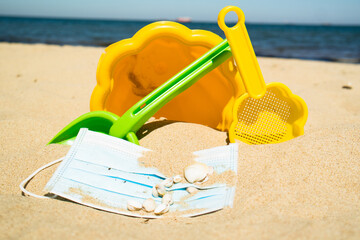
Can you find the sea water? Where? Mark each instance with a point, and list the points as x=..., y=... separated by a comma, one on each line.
x=328, y=43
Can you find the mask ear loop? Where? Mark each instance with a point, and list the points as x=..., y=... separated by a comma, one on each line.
x=27, y=180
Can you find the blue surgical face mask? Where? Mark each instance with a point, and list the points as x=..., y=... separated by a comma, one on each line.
x=103, y=172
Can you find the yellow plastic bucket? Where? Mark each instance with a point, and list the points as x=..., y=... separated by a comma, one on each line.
x=132, y=68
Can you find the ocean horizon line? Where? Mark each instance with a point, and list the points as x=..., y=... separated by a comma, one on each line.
x=325, y=24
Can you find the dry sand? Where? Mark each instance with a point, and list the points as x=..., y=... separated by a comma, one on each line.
x=307, y=188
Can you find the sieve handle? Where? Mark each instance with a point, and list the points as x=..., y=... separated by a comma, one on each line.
x=243, y=52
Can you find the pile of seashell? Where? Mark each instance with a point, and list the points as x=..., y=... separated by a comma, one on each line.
x=195, y=173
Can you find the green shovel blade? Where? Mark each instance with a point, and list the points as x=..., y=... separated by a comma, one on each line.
x=99, y=121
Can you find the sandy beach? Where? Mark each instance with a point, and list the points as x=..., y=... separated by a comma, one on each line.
x=306, y=188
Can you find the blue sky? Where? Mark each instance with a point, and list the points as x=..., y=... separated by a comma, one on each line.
x=265, y=11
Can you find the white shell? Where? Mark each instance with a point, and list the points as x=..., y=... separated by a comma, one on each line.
x=196, y=172
x=160, y=189
x=192, y=190
x=133, y=205
x=204, y=180
x=161, y=209
x=167, y=199
x=149, y=205
x=154, y=192
x=177, y=179
x=168, y=182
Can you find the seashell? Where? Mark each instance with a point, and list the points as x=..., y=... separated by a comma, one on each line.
x=149, y=205
x=196, y=172
x=167, y=199
x=192, y=190
x=155, y=192
x=161, y=209
x=204, y=180
x=177, y=179
x=168, y=182
x=160, y=189
x=347, y=86
x=133, y=205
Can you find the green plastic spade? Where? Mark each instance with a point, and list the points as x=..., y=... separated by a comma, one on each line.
x=130, y=122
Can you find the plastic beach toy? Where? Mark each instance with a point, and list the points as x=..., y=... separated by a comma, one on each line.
x=268, y=118
x=277, y=117
x=132, y=68
x=266, y=113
